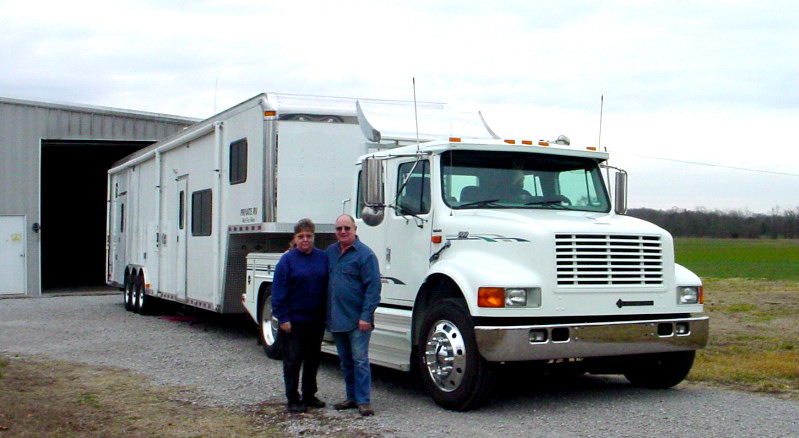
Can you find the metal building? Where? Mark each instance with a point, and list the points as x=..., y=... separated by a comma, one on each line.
x=53, y=163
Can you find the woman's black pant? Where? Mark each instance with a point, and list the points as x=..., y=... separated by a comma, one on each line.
x=301, y=350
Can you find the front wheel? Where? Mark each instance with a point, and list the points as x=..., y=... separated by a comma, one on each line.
x=268, y=328
x=454, y=373
x=660, y=371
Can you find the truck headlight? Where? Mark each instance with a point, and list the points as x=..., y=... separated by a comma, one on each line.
x=690, y=295
x=516, y=297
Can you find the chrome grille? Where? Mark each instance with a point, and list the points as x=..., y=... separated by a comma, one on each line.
x=608, y=260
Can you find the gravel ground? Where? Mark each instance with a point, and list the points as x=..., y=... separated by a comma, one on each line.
x=220, y=358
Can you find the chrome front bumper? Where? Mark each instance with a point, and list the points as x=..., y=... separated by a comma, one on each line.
x=521, y=343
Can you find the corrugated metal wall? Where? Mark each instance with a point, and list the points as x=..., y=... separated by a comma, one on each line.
x=23, y=127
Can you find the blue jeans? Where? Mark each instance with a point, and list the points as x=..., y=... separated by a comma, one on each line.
x=353, y=350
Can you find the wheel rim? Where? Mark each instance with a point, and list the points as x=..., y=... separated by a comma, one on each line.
x=445, y=355
x=138, y=295
x=269, y=325
x=128, y=295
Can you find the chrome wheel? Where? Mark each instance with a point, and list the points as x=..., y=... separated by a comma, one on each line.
x=269, y=324
x=445, y=355
x=269, y=330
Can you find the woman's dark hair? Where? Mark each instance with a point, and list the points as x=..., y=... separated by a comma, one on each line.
x=304, y=225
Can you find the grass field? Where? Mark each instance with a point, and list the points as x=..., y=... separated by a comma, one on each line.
x=768, y=259
x=752, y=298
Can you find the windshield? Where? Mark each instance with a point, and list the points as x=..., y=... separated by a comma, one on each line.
x=489, y=179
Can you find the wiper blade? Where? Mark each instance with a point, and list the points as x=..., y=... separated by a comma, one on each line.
x=482, y=203
x=552, y=202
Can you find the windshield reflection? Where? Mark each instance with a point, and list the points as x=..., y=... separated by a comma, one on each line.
x=487, y=179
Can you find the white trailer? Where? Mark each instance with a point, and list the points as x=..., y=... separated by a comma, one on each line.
x=491, y=251
x=184, y=212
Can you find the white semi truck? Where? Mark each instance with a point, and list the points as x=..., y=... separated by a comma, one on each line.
x=492, y=251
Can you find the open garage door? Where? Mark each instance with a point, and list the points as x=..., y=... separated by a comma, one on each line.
x=73, y=209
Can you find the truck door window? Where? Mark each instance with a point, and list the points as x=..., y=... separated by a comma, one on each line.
x=413, y=188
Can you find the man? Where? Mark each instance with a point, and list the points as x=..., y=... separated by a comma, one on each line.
x=353, y=296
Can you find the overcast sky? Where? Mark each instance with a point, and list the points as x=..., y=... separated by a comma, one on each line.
x=701, y=99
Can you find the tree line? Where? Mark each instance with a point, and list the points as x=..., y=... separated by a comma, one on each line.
x=723, y=224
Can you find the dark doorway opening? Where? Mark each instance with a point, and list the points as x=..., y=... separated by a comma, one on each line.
x=73, y=209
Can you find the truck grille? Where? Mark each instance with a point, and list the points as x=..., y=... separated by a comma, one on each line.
x=608, y=260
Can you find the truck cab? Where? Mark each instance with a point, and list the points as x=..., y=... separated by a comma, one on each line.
x=498, y=251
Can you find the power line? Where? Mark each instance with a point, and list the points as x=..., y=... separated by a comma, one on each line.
x=708, y=164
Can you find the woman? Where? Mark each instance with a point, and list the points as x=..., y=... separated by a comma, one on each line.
x=299, y=295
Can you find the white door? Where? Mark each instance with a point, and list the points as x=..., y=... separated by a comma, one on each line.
x=408, y=229
x=12, y=255
x=181, y=236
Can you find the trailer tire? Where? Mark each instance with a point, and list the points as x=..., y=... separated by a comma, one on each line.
x=453, y=371
x=660, y=371
x=268, y=327
x=127, y=294
x=138, y=292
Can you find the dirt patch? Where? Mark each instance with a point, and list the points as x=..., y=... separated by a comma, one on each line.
x=54, y=398
x=754, y=337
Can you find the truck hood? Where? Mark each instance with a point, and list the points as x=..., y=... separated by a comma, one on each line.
x=523, y=224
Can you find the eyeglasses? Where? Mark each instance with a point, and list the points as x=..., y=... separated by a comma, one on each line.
x=343, y=228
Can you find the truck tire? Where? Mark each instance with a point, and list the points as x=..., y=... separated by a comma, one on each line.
x=268, y=328
x=453, y=371
x=660, y=371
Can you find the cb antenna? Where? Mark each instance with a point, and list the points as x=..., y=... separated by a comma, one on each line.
x=601, y=107
x=415, y=115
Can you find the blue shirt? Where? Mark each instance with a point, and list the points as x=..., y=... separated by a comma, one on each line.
x=353, y=286
x=299, y=287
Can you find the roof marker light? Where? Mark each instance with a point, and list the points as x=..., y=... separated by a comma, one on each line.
x=510, y=141
x=270, y=113
x=454, y=140
x=591, y=148
x=542, y=143
x=527, y=142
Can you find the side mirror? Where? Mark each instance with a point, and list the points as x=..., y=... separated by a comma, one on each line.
x=372, y=191
x=621, y=192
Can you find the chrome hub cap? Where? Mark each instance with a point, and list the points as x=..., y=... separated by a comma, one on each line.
x=445, y=355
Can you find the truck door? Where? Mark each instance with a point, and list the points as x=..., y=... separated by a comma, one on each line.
x=408, y=230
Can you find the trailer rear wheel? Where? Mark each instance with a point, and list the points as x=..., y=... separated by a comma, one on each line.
x=269, y=331
x=660, y=371
x=453, y=371
x=127, y=294
x=142, y=303
x=138, y=291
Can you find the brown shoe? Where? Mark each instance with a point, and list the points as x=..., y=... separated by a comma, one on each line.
x=346, y=404
x=365, y=410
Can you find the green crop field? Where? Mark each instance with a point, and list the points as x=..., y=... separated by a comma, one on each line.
x=752, y=298
x=771, y=259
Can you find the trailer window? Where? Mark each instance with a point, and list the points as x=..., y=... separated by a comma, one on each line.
x=181, y=210
x=238, y=161
x=201, y=213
